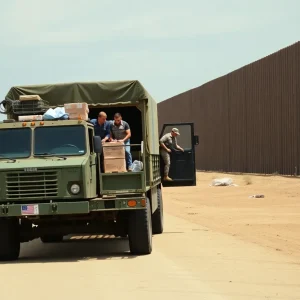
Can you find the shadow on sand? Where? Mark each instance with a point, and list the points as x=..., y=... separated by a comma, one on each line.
x=74, y=249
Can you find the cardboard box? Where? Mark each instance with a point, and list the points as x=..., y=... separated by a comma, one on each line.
x=30, y=118
x=75, y=116
x=76, y=110
x=71, y=108
x=113, y=150
x=114, y=165
x=29, y=97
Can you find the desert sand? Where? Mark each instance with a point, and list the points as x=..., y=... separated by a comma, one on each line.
x=218, y=244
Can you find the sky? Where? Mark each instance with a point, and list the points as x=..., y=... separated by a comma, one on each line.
x=170, y=46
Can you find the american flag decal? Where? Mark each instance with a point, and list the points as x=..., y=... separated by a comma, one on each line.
x=30, y=209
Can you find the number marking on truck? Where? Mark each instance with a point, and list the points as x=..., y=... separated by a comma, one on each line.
x=30, y=169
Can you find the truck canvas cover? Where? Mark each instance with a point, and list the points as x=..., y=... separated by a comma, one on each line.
x=106, y=93
x=109, y=93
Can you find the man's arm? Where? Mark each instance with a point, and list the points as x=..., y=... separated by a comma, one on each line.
x=179, y=148
x=107, y=137
x=162, y=143
x=128, y=133
x=128, y=136
x=110, y=132
x=107, y=133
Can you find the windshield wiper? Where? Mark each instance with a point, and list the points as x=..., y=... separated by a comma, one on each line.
x=8, y=158
x=50, y=155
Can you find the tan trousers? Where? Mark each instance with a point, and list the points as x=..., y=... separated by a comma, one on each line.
x=166, y=158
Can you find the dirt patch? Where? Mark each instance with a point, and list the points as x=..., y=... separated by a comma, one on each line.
x=272, y=221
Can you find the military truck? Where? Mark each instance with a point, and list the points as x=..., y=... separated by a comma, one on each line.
x=51, y=184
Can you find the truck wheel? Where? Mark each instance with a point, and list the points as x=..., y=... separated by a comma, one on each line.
x=52, y=239
x=9, y=239
x=140, y=231
x=158, y=216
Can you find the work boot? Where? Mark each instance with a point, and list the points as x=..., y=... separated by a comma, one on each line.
x=167, y=178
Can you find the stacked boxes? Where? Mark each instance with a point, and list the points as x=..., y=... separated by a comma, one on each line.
x=30, y=118
x=28, y=105
x=30, y=98
x=114, y=157
x=77, y=110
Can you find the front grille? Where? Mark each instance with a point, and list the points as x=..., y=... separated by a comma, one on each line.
x=31, y=185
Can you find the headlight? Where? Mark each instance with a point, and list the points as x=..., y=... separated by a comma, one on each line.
x=75, y=189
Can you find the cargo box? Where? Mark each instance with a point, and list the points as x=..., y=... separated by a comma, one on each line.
x=113, y=150
x=114, y=165
x=76, y=108
x=76, y=116
x=29, y=97
x=30, y=118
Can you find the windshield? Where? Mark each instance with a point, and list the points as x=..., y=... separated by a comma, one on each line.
x=15, y=143
x=60, y=140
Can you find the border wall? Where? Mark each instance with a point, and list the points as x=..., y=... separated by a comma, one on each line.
x=248, y=120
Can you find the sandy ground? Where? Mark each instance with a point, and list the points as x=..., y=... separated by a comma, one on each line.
x=218, y=244
x=272, y=222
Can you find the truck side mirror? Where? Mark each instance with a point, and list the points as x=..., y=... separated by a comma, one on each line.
x=97, y=145
x=196, y=140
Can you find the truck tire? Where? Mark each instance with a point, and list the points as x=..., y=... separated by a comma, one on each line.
x=47, y=239
x=9, y=239
x=158, y=216
x=140, y=231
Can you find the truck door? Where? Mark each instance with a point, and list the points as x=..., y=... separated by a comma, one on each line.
x=183, y=168
x=94, y=166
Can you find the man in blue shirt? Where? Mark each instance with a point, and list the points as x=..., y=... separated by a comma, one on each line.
x=102, y=127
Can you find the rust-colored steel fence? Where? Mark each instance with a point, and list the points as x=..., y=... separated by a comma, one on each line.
x=248, y=120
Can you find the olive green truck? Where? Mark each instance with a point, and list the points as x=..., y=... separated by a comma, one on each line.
x=51, y=183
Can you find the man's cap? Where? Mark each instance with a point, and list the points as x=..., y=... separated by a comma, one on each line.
x=175, y=130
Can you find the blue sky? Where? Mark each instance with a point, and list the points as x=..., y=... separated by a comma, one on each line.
x=170, y=46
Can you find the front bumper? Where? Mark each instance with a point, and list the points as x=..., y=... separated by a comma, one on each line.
x=70, y=208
